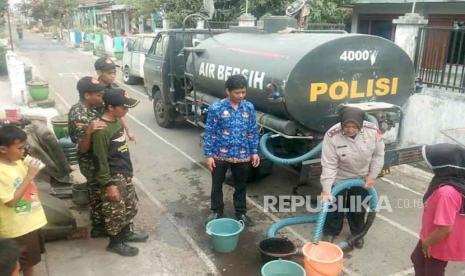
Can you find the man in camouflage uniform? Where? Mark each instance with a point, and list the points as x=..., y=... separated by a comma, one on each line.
x=115, y=174
x=83, y=121
x=106, y=72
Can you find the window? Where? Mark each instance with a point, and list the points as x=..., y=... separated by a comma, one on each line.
x=130, y=44
x=146, y=44
x=160, y=46
x=153, y=46
x=380, y=25
x=137, y=45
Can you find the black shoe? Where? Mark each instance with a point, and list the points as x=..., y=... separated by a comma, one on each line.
x=328, y=238
x=214, y=215
x=359, y=243
x=136, y=237
x=246, y=219
x=98, y=232
x=122, y=249
x=129, y=235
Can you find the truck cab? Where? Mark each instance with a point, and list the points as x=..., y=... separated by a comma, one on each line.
x=164, y=69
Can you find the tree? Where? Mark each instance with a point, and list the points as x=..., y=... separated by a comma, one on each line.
x=321, y=11
x=59, y=11
x=140, y=7
x=24, y=7
x=62, y=10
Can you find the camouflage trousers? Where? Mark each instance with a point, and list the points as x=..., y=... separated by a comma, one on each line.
x=95, y=195
x=118, y=214
x=95, y=203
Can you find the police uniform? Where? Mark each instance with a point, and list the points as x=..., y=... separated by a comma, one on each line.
x=79, y=117
x=344, y=158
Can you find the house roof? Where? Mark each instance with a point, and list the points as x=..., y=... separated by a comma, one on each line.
x=400, y=1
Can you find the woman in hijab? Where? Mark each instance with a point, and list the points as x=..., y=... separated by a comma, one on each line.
x=352, y=148
x=442, y=235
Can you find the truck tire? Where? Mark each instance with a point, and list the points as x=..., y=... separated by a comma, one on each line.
x=128, y=78
x=164, y=114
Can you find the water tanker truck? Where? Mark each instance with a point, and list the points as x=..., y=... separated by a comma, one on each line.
x=297, y=81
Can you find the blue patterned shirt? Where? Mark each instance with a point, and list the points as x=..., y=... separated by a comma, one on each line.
x=231, y=135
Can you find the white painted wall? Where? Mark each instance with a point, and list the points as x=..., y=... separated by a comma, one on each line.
x=17, y=78
x=429, y=112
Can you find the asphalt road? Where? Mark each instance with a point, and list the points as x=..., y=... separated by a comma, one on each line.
x=168, y=166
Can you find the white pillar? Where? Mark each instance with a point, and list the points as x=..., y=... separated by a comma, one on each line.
x=166, y=23
x=15, y=66
x=127, y=26
x=200, y=24
x=407, y=32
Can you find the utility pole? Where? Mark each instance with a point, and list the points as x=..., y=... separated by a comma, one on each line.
x=9, y=26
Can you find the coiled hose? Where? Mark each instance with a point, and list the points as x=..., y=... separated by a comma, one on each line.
x=309, y=155
x=321, y=216
x=286, y=161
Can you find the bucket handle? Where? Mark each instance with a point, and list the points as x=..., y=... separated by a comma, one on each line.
x=209, y=232
x=242, y=225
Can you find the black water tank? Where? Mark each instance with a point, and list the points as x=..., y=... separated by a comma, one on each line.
x=314, y=72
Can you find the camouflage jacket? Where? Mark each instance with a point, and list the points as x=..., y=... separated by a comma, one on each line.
x=79, y=118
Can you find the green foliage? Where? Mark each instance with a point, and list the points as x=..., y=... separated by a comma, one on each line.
x=140, y=7
x=48, y=10
x=324, y=11
x=321, y=11
x=177, y=10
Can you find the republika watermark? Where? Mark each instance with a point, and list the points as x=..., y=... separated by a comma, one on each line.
x=353, y=203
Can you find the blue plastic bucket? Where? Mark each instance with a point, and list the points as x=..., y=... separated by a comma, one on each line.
x=224, y=233
x=282, y=268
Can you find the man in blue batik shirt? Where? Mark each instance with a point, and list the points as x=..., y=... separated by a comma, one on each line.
x=231, y=141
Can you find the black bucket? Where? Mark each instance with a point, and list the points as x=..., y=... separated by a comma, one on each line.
x=276, y=248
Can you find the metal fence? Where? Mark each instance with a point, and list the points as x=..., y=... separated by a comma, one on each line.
x=440, y=57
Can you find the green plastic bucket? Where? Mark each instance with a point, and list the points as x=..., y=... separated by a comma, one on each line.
x=38, y=90
x=60, y=126
x=282, y=268
x=224, y=233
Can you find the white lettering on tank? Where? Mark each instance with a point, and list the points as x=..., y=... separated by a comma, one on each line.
x=202, y=69
x=236, y=71
x=258, y=80
x=245, y=73
x=227, y=72
x=220, y=73
x=251, y=77
x=211, y=71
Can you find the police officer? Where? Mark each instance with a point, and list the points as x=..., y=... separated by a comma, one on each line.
x=82, y=123
x=353, y=148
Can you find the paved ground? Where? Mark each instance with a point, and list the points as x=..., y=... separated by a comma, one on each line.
x=174, y=191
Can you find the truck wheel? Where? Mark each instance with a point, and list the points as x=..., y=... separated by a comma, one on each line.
x=127, y=78
x=164, y=114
